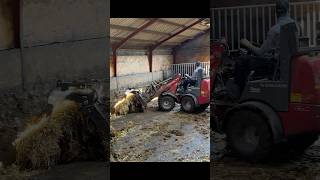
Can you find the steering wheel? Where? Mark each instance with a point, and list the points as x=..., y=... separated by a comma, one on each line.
x=245, y=46
x=187, y=75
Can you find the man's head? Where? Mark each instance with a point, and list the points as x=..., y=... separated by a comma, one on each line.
x=282, y=7
x=198, y=64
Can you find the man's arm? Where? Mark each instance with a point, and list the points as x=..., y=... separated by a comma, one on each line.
x=266, y=46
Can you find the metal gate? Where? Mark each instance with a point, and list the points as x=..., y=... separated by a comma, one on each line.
x=253, y=22
x=188, y=68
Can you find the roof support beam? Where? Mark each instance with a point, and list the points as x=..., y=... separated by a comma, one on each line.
x=175, y=49
x=187, y=41
x=126, y=28
x=121, y=43
x=176, y=24
x=149, y=42
x=150, y=22
x=174, y=34
x=150, y=50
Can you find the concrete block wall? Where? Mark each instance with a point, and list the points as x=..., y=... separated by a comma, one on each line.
x=50, y=21
x=62, y=39
x=137, y=62
x=127, y=65
x=197, y=49
x=133, y=69
x=134, y=80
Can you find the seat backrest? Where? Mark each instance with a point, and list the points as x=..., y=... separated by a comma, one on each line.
x=288, y=47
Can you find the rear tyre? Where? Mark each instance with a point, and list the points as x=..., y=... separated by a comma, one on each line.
x=166, y=103
x=249, y=135
x=187, y=104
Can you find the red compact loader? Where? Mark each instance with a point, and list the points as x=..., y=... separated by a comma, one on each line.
x=283, y=107
x=170, y=92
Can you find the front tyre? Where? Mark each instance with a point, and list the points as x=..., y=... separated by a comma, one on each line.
x=166, y=103
x=249, y=135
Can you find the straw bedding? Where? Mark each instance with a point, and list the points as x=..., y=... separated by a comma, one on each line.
x=47, y=138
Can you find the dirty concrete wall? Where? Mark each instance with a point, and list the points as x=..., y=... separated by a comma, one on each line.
x=133, y=68
x=134, y=64
x=127, y=65
x=197, y=49
x=71, y=33
x=69, y=60
x=62, y=40
x=161, y=62
x=134, y=80
x=49, y=21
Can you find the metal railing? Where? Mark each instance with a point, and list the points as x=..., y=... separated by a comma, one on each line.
x=253, y=22
x=188, y=68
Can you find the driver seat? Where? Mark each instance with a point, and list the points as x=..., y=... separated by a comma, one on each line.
x=288, y=47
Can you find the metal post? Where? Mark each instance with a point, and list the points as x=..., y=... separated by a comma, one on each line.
x=269, y=8
x=302, y=20
x=245, y=22
x=219, y=15
x=238, y=26
x=257, y=24
x=309, y=24
x=232, y=31
x=150, y=59
x=295, y=11
x=21, y=30
x=263, y=23
x=114, y=62
x=251, y=24
x=314, y=25
x=225, y=23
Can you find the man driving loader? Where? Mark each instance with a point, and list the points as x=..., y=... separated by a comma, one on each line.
x=264, y=57
x=196, y=77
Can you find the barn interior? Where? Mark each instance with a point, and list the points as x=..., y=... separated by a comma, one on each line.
x=152, y=50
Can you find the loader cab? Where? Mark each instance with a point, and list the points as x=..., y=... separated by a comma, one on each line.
x=275, y=91
x=200, y=88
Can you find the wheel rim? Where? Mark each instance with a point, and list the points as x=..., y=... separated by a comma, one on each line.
x=248, y=138
x=187, y=105
x=166, y=104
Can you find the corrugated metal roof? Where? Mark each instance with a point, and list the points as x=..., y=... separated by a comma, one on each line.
x=161, y=27
x=120, y=28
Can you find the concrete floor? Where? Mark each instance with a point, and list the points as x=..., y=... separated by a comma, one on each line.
x=155, y=136
x=304, y=167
